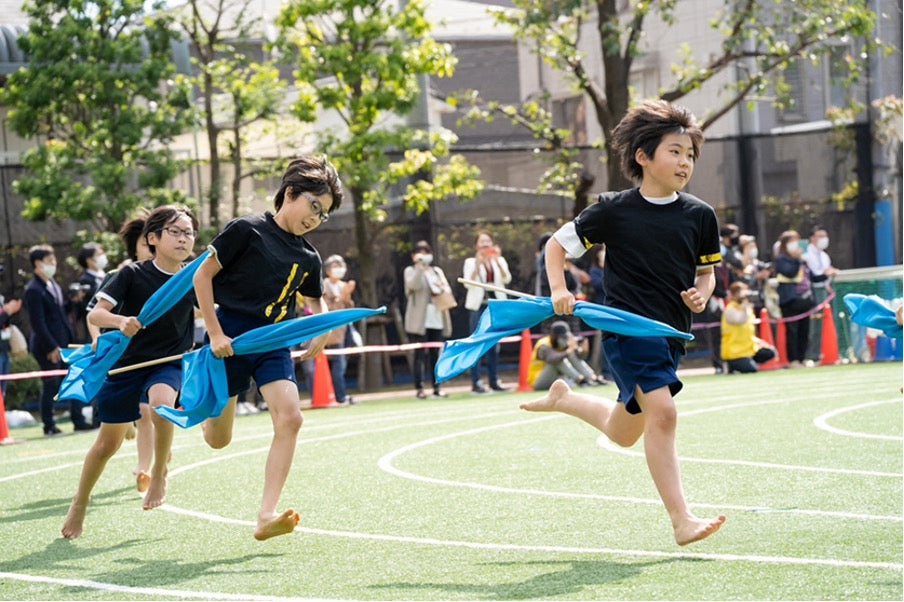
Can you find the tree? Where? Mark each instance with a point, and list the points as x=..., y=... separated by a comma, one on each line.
x=93, y=91
x=236, y=90
x=759, y=39
x=363, y=61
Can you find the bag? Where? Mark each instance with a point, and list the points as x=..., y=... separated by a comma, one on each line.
x=18, y=346
x=445, y=300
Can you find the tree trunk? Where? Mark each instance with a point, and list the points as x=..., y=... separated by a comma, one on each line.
x=367, y=287
x=213, y=132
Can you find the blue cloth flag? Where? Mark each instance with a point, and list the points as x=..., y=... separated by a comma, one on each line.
x=88, y=369
x=204, y=390
x=505, y=317
x=871, y=311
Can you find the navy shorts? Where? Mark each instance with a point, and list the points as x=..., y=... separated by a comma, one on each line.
x=647, y=362
x=118, y=398
x=263, y=367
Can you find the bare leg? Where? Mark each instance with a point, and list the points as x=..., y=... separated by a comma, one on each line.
x=605, y=415
x=218, y=430
x=108, y=440
x=160, y=395
x=145, y=446
x=662, y=460
x=282, y=399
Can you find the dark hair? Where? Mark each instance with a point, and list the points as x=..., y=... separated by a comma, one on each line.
x=544, y=238
x=816, y=229
x=736, y=287
x=559, y=328
x=161, y=217
x=785, y=238
x=643, y=127
x=87, y=252
x=38, y=253
x=314, y=174
x=130, y=233
x=422, y=245
x=482, y=233
x=729, y=230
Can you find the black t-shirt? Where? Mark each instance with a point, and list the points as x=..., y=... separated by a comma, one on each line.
x=263, y=266
x=652, y=251
x=172, y=333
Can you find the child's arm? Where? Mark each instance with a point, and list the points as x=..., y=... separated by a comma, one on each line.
x=220, y=344
x=102, y=317
x=697, y=296
x=317, y=306
x=562, y=299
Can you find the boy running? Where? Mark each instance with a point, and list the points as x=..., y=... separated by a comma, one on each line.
x=661, y=246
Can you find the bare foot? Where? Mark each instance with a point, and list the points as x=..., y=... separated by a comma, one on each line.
x=156, y=494
x=75, y=518
x=142, y=480
x=557, y=391
x=276, y=525
x=695, y=529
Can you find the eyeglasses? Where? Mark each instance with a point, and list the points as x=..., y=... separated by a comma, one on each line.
x=179, y=232
x=317, y=208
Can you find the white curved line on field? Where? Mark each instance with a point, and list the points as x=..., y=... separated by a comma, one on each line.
x=542, y=548
x=385, y=463
x=821, y=422
x=147, y=591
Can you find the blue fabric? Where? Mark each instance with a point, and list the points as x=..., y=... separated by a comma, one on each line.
x=871, y=311
x=204, y=390
x=505, y=317
x=88, y=369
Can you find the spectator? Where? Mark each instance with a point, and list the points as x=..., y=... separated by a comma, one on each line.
x=7, y=309
x=821, y=270
x=795, y=296
x=754, y=273
x=561, y=355
x=93, y=260
x=424, y=321
x=489, y=267
x=741, y=349
x=598, y=292
x=50, y=332
x=337, y=292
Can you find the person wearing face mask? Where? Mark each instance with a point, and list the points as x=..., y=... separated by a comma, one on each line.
x=560, y=355
x=337, y=293
x=93, y=260
x=50, y=332
x=490, y=267
x=424, y=320
x=795, y=296
x=821, y=271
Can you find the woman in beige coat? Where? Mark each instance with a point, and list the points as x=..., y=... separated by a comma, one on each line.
x=424, y=320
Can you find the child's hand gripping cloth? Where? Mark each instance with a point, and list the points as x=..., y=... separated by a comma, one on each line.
x=204, y=391
x=88, y=369
x=505, y=317
x=871, y=311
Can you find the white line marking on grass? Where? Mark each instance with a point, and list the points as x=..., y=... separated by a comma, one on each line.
x=150, y=591
x=385, y=463
x=821, y=422
x=557, y=549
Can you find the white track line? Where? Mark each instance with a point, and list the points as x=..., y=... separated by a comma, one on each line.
x=555, y=549
x=148, y=591
x=821, y=422
x=385, y=463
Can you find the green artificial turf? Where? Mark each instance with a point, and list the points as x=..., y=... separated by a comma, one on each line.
x=470, y=498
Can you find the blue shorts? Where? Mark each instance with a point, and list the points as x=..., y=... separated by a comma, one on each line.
x=645, y=362
x=118, y=399
x=263, y=367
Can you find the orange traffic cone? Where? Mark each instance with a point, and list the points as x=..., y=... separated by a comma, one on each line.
x=781, y=344
x=322, y=393
x=766, y=335
x=5, y=439
x=524, y=361
x=829, y=344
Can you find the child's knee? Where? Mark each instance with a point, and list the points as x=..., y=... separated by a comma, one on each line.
x=217, y=440
x=290, y=420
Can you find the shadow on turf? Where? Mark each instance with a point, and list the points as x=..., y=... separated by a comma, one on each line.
x=571, y=579
x=50, y=508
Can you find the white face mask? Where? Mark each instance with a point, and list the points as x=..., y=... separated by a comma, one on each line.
x=753, y=253
x=100, y=261
x=427, y=258
x=48, y=269
x=822, y=243
x=338, y=272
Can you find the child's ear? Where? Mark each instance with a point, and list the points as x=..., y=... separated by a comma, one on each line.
x=641, y=157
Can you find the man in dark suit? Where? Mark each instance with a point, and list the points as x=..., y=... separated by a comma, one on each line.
x=50, y=333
